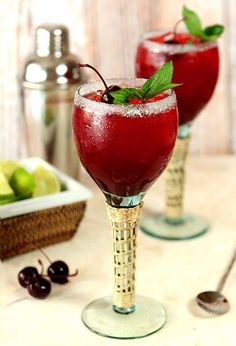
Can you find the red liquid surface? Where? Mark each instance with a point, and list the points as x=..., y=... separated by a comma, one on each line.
x=124, y=154
x=197, y=70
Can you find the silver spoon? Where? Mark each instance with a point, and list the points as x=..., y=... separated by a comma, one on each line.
x=214, y=301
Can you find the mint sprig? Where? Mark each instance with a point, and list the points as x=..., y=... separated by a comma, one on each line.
x=195, y=28
x=123, y=95
x=156, y=84
x=159, y=82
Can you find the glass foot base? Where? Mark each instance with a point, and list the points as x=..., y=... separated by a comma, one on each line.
x=148, y=317
x=190, y=226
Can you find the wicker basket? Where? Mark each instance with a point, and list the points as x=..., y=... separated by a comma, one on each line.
x=27, y=232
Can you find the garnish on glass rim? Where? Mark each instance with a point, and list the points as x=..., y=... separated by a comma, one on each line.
x=156, y=84
x=194, y=26
x=159, y=82
x=106, y=95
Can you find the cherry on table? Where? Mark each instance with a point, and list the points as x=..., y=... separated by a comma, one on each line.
x=39, y=287
x=58, y=272
x=26, y=275
x=36, y=283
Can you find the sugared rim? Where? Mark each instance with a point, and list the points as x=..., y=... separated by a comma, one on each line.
x=173, y=48
x=127, y=109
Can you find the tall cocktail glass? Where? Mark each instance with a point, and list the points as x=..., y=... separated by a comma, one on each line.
x=196, y=65
x=124, y=148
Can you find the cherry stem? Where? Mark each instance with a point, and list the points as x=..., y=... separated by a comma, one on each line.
x=174, y=32
x=45, y=255
x=42, y=266
x=16, y=301
x=95, y=70
x=62, y=276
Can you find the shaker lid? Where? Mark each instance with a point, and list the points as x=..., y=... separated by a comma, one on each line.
x=51, y=65
x=51, y=40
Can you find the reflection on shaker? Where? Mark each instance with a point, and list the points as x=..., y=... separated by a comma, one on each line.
x=49, y=82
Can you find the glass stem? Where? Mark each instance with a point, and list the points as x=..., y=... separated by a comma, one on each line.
x=176, y=177
x=124, y=223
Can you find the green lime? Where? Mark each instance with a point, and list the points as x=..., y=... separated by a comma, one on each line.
x=8, y=200
x=5, y=189
x=7, y=167
x=46, y=182
x=63, y=186
x=22, y=183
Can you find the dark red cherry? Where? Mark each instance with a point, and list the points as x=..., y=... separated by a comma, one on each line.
x=106, y=96
x=26, y=275
x=58, y=272
x=39, y=287
x=172, y=41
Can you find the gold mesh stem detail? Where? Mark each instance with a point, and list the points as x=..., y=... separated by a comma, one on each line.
x=124, y=222
x=176, y=178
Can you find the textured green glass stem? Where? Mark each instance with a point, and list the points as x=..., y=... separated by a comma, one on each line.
x=175, y=177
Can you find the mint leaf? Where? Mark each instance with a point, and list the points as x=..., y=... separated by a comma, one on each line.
x=156, y=84
x=212, y=32
x=192, y=22
x=123, y=95
x=194, y=26
x=159, y=82
x=160, y=78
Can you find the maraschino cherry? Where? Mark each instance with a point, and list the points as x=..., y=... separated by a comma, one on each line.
x=106, y=96
x=173, y=39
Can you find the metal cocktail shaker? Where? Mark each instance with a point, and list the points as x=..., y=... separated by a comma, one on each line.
x=49, y=81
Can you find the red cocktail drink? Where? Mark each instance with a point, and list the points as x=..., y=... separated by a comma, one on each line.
x=196, y=65
x=124, y=147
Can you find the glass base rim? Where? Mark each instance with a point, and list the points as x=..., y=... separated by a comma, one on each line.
x=157, y=226
x=127, y=318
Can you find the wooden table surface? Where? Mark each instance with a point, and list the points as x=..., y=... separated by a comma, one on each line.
x=173, y=272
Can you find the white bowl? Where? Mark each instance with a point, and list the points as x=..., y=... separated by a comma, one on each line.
x=75, y=192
